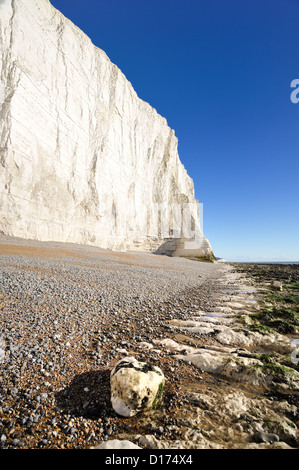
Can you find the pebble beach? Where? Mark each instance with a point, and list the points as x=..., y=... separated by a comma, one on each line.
x=70, y=312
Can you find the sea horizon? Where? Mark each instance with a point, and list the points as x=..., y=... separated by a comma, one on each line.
x=264, y=262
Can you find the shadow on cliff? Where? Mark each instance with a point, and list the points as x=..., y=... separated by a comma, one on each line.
x=167, y=248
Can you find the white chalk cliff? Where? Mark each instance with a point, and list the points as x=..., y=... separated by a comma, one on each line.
x=82, y=158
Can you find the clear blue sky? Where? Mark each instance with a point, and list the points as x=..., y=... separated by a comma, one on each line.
x=220, y=72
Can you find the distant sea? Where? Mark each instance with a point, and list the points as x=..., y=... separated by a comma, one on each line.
x=265, y=262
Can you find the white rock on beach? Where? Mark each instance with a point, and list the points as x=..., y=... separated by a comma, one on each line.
x=246, y=338
x=135, y=386
x=117, y=444
x=241, y=369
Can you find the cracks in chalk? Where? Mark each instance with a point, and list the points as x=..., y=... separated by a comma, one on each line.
x=11, y=80
x=60, y=31
x=92, y=181
x=112, y=82
x=13, y=7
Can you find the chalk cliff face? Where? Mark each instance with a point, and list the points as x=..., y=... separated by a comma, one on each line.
x=82, y=158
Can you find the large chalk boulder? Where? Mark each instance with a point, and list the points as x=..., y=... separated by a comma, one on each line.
x=135, y=386
x=117, y=444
